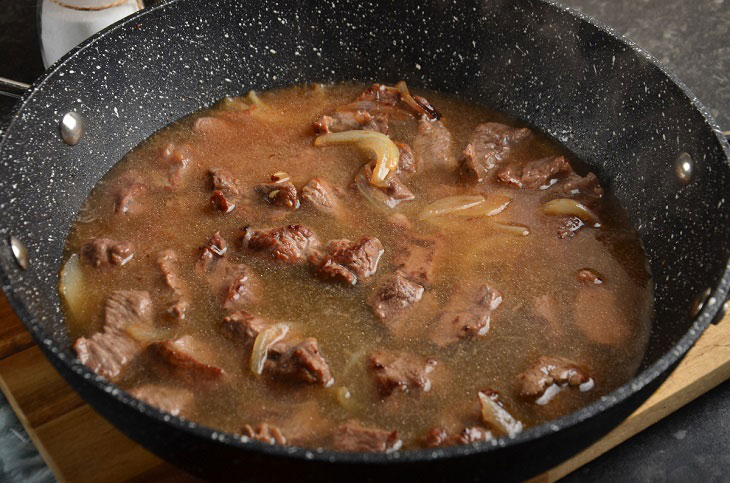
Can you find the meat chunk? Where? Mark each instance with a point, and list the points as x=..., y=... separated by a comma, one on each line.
x=432, y=145
x=288, y=244
x=167, y=263
x=185, y=359
x=318, y=194
x=225, y=190
x=173, y=400
x=351, y=117
x=354, y=436
x=394, y=295
x=264, y=432
x=568, y=226
x=281, y=193
x=299, y=362
x=174, y=161
x=586, y=188
x=489, y=145
x=547, y=376
x=439, y=437
x=349, y=261
x=415, y=258
x=589, y=276
x=400, y=371
x=105, y=252
x=239, y=286
x=390, y=196
x=126, y=194
x=467, y=316
x=109, y=351
x=212, y=253
x=222, y=180
x=541, y=173
x=407, y=162
x=243, y=328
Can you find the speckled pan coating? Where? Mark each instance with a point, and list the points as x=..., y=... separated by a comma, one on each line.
x=601, y=96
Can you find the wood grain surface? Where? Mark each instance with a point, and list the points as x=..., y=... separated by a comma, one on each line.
x=80, y=446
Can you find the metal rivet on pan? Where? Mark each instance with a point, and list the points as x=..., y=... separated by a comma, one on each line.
x=72, y=128
x=699, y=302
x=721, y=311
x=19, y=252
x=684, y=168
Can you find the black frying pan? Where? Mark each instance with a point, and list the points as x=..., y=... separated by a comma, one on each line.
x=601, y=96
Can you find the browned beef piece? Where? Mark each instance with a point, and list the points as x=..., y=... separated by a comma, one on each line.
x=547, y=376
x=167, y=263
x=415, y=258
x=432, y=145
x=222, y=180
x=467, y=316
x=173, y=400
x=105, y=252
x=126, y=194
x=318, y=194
x=211, y=253
x=240, y=286
x=585, y=187
x=289, y=244
x=243, y=328
x=219, y=202
x=391, y=196
x=108, y=351
x=360, y=258
x=354, y=436
x=568, y=226
x=299, y=362
x=589, y=276
x=185, y=359
x=225, y=190
x=351, y=117
x=400, y=371
x=541, y=173
x=488, y=146
x=281, y=193
x=407, y=162
x=394, y=295
x=264, y=432
x=439, y=437
x=174, y=160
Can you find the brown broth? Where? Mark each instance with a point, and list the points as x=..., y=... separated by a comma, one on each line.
x=278, y=138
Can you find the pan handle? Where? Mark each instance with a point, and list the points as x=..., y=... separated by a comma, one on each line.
x=11, y=88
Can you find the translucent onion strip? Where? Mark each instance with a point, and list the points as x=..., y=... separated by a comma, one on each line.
x=493, y=205
x=71, y=285
x=451, y=205
x=262, y=344
x=496, y=416
x=408, y=99
x=386, y=152
x=569, y=207
x=512, y=228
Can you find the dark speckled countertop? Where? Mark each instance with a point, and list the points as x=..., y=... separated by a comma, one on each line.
x=693, y=39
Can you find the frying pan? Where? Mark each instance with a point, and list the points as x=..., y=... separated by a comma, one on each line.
x=639, y=128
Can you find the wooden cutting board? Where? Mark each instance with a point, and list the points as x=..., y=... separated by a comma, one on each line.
x=79, y=445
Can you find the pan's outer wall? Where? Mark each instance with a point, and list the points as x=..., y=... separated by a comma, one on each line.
x=604, y=99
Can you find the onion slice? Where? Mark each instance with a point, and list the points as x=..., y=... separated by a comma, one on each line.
x=512, y=228
x=493, y=205
x=386, y=152
x=451, y=205
x=266, y=338
x=569, y=207
x=496, y=416
x=71, y=285
x=405, y=94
